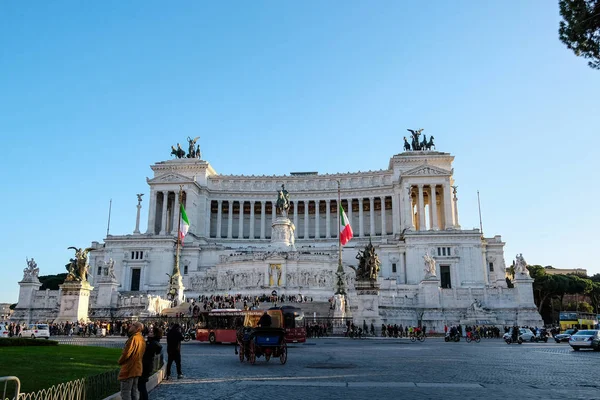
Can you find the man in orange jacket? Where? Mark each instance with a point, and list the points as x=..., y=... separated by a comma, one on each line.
x=131, y=362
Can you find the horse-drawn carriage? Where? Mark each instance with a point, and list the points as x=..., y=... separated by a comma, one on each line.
x=255, y=341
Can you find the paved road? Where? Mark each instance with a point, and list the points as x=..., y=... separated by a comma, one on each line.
x=341, y=368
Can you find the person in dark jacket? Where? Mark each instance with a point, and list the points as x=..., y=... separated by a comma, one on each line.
x=264, y=321
x=174, y=339
x=153, y=348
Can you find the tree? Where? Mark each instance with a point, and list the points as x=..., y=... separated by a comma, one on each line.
x=51, y=281
x=580, y=29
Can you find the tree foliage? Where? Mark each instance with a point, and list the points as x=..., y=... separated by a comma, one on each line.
x=51, y=281
x=580, y=28
x=547, y=288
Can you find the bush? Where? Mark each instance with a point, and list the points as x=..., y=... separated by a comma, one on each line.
x=4, y=342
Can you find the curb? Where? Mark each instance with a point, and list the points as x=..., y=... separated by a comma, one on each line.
x=153, y=382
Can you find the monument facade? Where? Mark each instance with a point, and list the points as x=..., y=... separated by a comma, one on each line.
x=256, y=234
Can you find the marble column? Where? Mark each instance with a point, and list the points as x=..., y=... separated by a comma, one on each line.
x=241, y=223
x=230, y=219
x=421, y=210
x=455, y=205
x=361, y=227
x=349, y=211
x=447, y=197
x=251, y=234
x=397, y=207
x=163, y=225
x=273, y=212
x=328, y=219
x=306, y=235
x=296, y=219
x=371, y=216
x=383, y=221
x=317, y=219
x=175, y=209
x=434, y=213
x=263, y=217
x=219, y=218
x=408, y=208
x=137, y=217
x=152, y=213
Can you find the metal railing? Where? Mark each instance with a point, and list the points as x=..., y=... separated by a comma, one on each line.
x=7, y=387
x=95, y=387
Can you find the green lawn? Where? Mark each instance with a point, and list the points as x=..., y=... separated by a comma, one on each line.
x=41, y=367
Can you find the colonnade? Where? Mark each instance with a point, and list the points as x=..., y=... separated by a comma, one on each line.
x=420, y=207
x=164, y=212
x=314, y=219
x=430, y=207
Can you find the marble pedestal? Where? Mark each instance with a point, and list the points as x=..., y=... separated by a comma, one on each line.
x=74, y=302
x=106, y=289
x=430, y=292
x=282, y=235
x=367, y=295
x=339, y=314
x=176, y=288
x=28, y=288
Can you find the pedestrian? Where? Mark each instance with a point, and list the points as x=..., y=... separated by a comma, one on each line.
x=174, y=339
x=131, y=362
x=153, y=348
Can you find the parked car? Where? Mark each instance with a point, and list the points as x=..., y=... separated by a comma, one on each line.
x=525, y=334
x=565, y=336
x=3, y=330
x=585, y=339
x=35, y=331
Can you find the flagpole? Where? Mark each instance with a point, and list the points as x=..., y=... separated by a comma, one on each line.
x=109, y=210
x=176, y=270
x=340, y=289
x=339, y=228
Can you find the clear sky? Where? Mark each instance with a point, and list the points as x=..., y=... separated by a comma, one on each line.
x=93, y=93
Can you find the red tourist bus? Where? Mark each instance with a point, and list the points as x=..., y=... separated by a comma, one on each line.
x=221, y=325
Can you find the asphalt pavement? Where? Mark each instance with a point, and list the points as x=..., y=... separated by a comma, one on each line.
x=343, y=368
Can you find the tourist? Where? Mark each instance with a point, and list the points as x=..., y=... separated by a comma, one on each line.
x=174, y=339
x=131, y=362
x=264, y=321
x=153, y=348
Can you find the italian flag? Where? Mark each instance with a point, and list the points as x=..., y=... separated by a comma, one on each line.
x=185, y=224
x=345, y=228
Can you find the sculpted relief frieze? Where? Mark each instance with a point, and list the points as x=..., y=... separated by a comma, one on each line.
x=294, y=185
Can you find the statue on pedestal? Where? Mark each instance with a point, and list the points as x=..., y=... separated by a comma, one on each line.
x=521, y=265
x=368, y=263
x=78, y=266
x=32, y=271
x=192, y=152
x=430, y=271
x=177, y=152
x=283, y=201
x=109, y=269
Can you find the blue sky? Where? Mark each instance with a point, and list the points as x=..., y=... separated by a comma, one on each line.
x=92, y=94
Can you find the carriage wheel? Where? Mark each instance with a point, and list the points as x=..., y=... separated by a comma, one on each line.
x=283, y=353
x=252, y=358
x=241, y=352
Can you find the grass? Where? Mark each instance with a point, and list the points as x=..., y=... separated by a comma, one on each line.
x=41, y=367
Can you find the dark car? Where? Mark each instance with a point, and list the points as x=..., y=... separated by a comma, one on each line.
x=565, y=336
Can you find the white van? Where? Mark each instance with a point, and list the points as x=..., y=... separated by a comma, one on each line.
x=36, y=331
